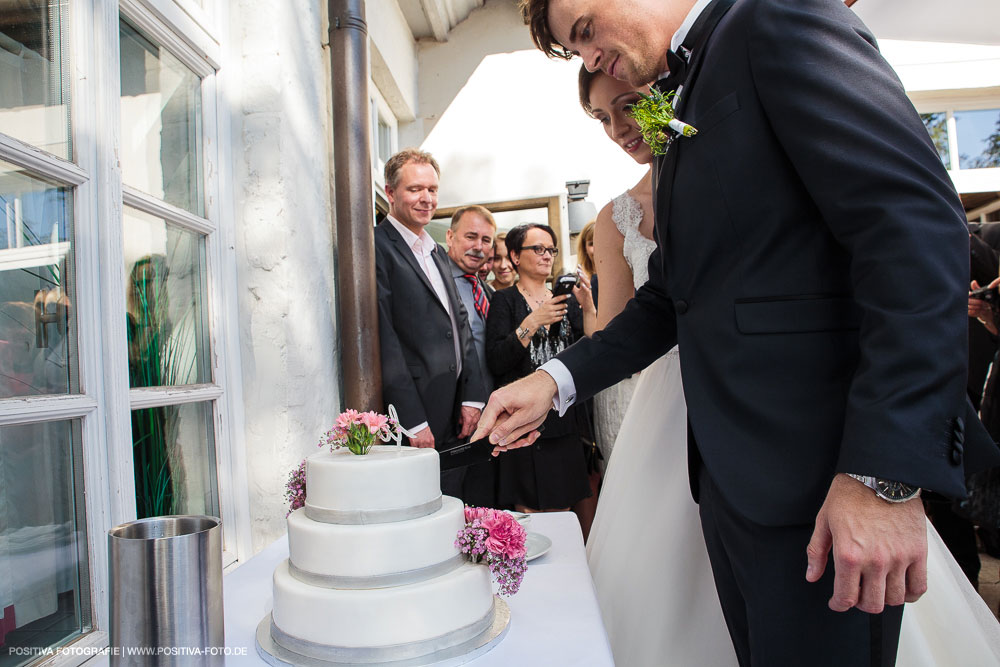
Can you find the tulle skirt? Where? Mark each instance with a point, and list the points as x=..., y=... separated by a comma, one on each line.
x=651, y=569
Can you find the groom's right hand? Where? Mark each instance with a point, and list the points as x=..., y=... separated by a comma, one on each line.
x=516, y=410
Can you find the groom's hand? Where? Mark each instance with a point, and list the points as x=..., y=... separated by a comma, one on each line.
x=879, y=548
x=516, y=410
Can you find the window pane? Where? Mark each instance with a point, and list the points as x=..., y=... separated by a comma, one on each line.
x=978, y=138
x=44, y=584
x=165, y=301
x=384, y=141
x=174, y=452
x=34, y=74
x=161, y=122
x=38, y=352
x=937, y=127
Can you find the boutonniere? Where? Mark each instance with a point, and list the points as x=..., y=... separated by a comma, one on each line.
x=657, y=122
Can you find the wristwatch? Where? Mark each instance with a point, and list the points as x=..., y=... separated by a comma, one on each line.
x=888, y=490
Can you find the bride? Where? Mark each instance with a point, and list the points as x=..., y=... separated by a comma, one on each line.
x=646, y=551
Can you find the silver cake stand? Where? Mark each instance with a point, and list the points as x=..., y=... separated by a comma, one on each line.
x=274, y=654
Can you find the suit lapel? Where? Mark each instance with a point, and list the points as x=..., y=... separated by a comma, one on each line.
x=443, y=264
x=665, y=166
x=406, y=253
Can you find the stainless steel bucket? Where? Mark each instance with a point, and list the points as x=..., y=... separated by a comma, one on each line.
x=166, y=591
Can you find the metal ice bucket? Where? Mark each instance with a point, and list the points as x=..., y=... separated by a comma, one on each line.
x=166, y=591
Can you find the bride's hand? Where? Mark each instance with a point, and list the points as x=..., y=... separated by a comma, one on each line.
x=584, y=295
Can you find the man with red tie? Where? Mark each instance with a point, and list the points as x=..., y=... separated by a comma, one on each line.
x=470, y=240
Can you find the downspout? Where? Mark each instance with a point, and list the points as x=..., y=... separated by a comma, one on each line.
x=354, y=209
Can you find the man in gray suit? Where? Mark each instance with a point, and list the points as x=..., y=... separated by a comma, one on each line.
x=430, y=370
x=470, y=240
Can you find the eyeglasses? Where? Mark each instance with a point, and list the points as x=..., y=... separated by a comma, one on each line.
x=541, y=250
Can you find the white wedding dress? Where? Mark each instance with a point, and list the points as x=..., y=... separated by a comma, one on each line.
x=648, y=557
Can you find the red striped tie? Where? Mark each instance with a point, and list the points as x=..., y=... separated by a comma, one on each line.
x=478, y=295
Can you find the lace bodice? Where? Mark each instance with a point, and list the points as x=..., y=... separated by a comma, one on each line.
x=627, y=215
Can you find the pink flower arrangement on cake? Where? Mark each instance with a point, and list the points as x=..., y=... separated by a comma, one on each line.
x=295, y=488
x=359, y=431
x=496, y=537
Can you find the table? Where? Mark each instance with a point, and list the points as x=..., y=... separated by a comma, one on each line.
x=555, y=619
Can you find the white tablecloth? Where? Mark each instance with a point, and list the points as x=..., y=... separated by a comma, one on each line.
x=554, y=620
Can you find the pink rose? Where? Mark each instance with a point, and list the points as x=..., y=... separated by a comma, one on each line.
x=506, y=535
x=473, y=513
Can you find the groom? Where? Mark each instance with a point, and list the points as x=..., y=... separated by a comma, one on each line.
x=812, y=263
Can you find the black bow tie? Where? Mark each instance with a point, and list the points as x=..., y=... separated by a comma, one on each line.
x=677, y=65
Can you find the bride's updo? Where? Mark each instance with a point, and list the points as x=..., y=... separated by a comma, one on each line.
x=583, y=83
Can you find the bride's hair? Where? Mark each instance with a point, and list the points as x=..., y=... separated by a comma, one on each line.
x=584, y=81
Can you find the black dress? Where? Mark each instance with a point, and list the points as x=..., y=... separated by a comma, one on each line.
x=552, y=473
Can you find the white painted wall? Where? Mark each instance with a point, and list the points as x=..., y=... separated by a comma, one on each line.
x=285, y=251
x=393, y=53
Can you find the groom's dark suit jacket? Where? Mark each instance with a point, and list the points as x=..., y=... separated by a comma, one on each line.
x=419, y=369
x=813, y=266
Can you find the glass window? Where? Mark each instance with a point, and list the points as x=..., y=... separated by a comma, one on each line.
x=34, y=75
x=937, y=127
x=978, y=138
x=165, y=301
x=173, y=448
x=37, y=321
x=161, y=122
x=384, y=141
x=44, y=584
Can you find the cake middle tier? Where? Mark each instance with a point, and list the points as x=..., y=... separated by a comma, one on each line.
x=384, y=553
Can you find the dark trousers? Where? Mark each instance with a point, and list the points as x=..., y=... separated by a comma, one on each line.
x=775, y=617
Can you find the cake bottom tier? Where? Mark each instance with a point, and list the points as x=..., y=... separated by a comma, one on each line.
x=447, y=606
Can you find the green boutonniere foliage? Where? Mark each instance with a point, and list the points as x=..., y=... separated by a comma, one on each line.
x=657, y=122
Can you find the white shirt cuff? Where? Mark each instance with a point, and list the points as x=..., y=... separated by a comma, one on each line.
x=418, y=428
x=474, y=404
x=564, y=382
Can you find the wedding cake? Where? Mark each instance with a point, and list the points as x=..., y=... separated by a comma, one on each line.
x=373, y=574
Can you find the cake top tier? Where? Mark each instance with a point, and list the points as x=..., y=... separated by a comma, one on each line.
x=386, y=478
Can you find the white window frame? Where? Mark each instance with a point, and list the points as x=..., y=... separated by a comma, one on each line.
x=379, y=110
x=949, y=103
x=105, y=401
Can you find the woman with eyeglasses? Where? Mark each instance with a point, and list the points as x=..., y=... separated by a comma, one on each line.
x=526, y=327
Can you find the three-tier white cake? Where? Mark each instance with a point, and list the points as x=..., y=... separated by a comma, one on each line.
x=373, y=575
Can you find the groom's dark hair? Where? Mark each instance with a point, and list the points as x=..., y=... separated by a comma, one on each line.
x=536, y=16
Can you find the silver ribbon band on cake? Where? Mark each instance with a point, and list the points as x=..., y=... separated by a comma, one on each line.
x=455, y=639
x=379, y=580
x=365, y=517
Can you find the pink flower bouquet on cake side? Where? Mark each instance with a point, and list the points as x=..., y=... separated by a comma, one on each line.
x=295, y=488
x=496, y=537
x=359, y=431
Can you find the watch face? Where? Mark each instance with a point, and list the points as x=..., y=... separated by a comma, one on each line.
x=894, y=491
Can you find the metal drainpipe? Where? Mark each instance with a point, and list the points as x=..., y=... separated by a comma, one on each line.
x=354, y=210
